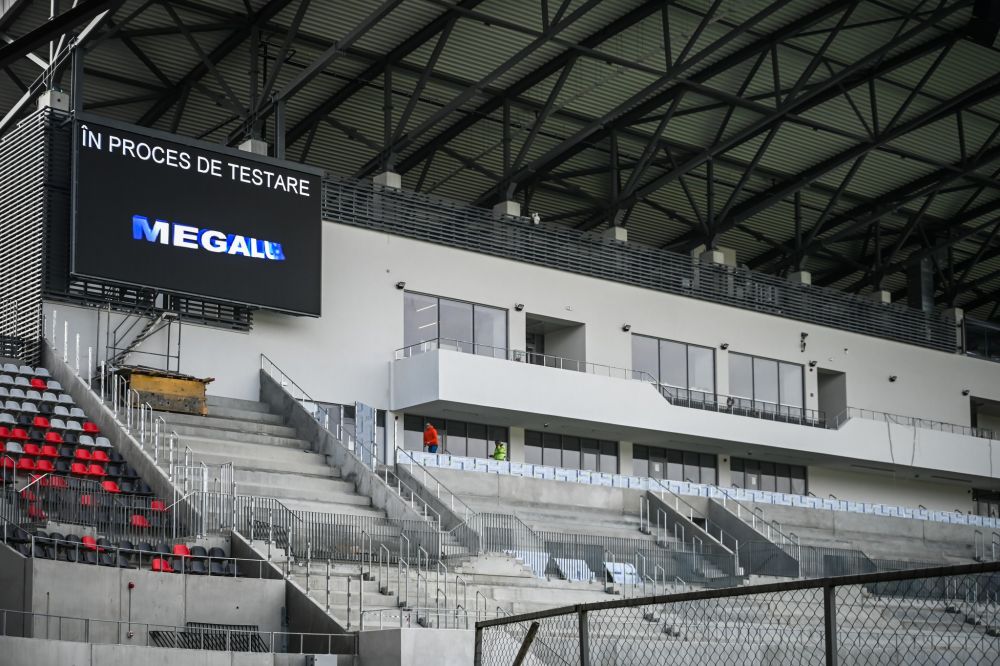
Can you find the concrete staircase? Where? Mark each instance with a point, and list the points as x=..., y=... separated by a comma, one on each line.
x=269, y=459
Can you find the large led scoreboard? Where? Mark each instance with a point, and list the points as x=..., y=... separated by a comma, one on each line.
x=191, y=218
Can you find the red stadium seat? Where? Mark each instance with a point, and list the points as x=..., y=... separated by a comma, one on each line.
x=81, y=454
x=181, y=550
x=26, y=464
x=86, y=500
x=100, y=456
x=90, y=428
x=90, y=543
x=78, y=468
x=32, y=449
x=96, y=470
x=110, y=486
x=139, y=520
x=157, y=505
x=38, y=383
x=53, y=437
x=4, y=432
x=50, y=451
x=58, y=482
x=9, y=463
x=35, y=512
x=161, y=565
x=18, y=434
x=40, y=422
x=44, y=465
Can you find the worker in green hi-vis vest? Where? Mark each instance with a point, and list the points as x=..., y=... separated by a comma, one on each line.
x=499, y=450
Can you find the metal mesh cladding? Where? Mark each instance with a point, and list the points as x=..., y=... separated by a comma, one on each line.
x=947, y=615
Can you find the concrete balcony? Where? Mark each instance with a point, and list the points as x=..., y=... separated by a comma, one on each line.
x=499, y=390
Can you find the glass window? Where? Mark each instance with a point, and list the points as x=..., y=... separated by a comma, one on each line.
x=799, y=480
x=413, y=433
x=477, y=441
x=783, y=478
x=571, y=452
x=456, y=325
x=491, y=331
x=590, y=451
x=692, y=469
x=765, y=380
x=645, y=355
x=609, y=457
x=741, y=376
x=675, y=465
x=736, y=472
x=420, y=318
x=701, y=369
x=552, y=452
x=751, y=472
x=456, y=441
x=767, y=481
x=708, y=468
x=640, y=460
x=657, y=463
x=673, y=364
x=791, y=384
x=533, y=448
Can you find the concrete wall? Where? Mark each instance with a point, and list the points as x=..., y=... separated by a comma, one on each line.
x=416, y=647
x=17, y=651
x=101, y=593
x=569, y=342
x=362, y=326
x=861, y=486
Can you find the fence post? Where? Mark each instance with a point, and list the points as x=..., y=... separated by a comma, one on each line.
x=478, y=658
x=830, y=623
x=584, y=639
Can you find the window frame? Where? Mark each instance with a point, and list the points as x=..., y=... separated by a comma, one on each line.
x=474, y=304
x=687, y=363
x=778, y=363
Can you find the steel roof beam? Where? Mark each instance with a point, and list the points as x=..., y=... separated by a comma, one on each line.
x=219, y=53
x=54, y=28
x=374, y=71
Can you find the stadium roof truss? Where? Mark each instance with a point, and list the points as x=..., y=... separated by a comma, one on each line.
x=855, y=139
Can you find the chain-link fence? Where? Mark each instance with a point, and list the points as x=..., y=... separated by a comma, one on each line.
x=943, y=615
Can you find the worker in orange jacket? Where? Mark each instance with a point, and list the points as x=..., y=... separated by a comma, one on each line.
x=431, y=438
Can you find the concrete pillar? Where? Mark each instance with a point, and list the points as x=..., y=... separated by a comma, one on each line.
x=625, y=458
x=800, y=277
x=55, y=99
x=515, y=447
x=957, y=315
x=255, y=146
x=724, y=470
x=728, y=255
x=507, y=209
x=517, y=323
x=722, y=371
x=881, y=296
x=619, y=234
x=389, y=179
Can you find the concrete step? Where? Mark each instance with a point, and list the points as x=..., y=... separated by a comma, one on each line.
x=244, y=414
x=329, y=497
x=330, y=507
x=222, y=447
x=303, y=464
x=212, y=434
x=328, y=479
x=273, y=425
x=237, y=403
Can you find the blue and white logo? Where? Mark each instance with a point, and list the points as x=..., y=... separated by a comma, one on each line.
x=181, y=235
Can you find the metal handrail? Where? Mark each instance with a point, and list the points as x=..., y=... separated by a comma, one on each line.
x=520, y=356
x=88, y=625
x=284, y=381
x=911, y=421
x=756, y=513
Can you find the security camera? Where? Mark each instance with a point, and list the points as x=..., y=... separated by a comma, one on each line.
x=724, y=345
x=536, y=219
x=518, y=306
x=966, y=391
x=400, y=285
x=892, y=378
x=812, y=364
x=626, y=327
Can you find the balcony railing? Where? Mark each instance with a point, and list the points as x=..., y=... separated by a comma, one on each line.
x=981, y=340
x=519, y=356
x=727, y=404
x=911, y=421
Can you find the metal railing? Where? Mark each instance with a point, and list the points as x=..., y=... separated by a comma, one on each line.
x=29, y=624
x=455, y=617
x=520, y=356
x=442, y=222
x=936, y=615
x=758, y=409
x=911, y=421
x=367, y=457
